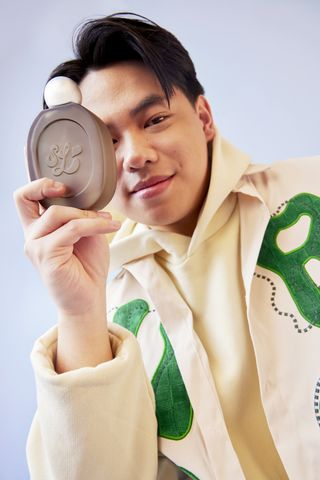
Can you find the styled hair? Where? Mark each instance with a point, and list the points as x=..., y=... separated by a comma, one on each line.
x=126, y=36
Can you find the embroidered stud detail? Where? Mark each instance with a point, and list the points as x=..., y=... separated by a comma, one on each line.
x=290, y=266
x=276, y=309
x=316, y=402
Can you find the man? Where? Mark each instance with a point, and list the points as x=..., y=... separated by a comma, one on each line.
x=209, y=361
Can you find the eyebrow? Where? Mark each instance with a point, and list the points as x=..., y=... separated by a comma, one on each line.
x=147, y=102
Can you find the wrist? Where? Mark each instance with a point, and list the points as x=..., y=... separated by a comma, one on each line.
x=84, y=311
x=83, y=340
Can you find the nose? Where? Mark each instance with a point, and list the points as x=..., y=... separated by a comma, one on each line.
x=136, y=152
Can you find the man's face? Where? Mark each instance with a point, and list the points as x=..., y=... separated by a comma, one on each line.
x=161, y=150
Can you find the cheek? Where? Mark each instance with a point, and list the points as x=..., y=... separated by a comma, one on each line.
x=119, y=193
x=118, y=201
x=119, y=167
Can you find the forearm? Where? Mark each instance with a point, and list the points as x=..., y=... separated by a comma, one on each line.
x=83, y=341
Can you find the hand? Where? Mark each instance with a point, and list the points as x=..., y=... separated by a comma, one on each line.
x=67, y=246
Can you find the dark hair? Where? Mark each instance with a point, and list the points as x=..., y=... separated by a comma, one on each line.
x=116, y=38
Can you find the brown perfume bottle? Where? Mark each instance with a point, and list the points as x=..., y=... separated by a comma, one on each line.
x=70, y=144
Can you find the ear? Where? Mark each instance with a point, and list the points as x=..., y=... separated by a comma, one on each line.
x=204, y=113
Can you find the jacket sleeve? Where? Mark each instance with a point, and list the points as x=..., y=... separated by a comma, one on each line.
x=93, y=423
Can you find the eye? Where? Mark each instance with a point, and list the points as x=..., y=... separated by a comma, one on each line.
x=114, y=141
x=156, y=120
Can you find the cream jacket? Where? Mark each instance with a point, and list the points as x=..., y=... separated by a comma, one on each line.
x=160, y=396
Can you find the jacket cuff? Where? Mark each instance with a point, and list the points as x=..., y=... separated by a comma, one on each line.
x=124, y=348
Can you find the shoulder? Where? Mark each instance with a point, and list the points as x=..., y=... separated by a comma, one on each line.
x=287, y=178
x=305, y=165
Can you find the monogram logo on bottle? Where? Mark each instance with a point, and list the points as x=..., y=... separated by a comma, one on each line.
x=64, y=159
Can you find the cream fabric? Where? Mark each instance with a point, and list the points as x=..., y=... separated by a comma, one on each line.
x=82, y=430
x=206, y=271
x=287, y=364
x=220, y=320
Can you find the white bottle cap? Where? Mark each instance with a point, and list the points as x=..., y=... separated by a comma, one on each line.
x=60, y=90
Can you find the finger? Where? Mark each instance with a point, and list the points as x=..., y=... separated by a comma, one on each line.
x=56, y=216
x=71, y=232
x=27, y=198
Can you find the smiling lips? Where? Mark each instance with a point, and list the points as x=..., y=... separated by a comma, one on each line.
x=151, y=187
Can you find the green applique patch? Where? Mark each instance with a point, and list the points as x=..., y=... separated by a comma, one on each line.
x=290, y=266
x=172, y=402
x=173, y=408
x=131, y=314
x=190, y=475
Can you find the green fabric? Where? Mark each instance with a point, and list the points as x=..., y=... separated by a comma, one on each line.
x=190, y=475
x=131, y=314
x=173, y=408
x=172, y=402
x=290, y=266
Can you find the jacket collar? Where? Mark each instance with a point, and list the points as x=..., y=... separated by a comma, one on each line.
x=134, y=241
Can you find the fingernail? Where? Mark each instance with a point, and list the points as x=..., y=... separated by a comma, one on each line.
x=115, y=224
x=104, y=214
x=54, y=187
x=57, y=185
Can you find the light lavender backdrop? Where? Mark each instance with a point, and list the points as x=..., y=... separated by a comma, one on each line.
x=259, y=61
